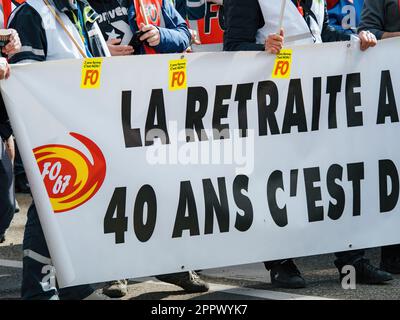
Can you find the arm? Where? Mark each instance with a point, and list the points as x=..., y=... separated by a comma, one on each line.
x=366, y=38
x=13, y=46
x=28, y=23
x=30, y=48
x=329, y=34
x=175, y=37
x=387, y=35
x=372, y=18
x=117, y=49
x=242, y=21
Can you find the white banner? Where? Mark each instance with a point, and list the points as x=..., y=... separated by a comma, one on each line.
x=315, y=171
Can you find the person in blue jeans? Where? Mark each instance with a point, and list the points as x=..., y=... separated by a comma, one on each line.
x=39, y=275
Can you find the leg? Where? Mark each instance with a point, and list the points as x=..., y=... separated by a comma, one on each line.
x=284, y=274
x=38, y=274
x=348, y=258
x=270, y=264
x=7, y=195
x=21, y=182
x=188, y=281
x=364, y=271
x=390, y=259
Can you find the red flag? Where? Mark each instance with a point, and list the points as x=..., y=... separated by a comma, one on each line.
x=6, y=11
x=151, y=15
x=8, y=7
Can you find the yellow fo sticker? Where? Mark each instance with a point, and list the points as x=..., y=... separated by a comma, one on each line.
x=283, y=64
x=91, y=73
x=177, y=74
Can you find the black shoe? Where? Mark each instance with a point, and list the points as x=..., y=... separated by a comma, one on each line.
x=188, y=281
x=22, y=184
x=391, y=265
x=286, y=275
x=2, y=238
x=366, y=273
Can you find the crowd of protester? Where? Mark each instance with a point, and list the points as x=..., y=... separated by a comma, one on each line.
x=104, y=28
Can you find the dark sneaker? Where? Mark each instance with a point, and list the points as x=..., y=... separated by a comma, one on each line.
x=2, y=238
x=116, y=289
x=188, y=281
x=366, y=273
x=391, y=265
x=286, y=275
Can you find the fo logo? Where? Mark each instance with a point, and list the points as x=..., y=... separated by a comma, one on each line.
x=152, y=8
x=152, y=12
x=71, y=179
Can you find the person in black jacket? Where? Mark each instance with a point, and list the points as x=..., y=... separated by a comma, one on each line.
x=34, y=22
x=7, y=151
x=244, y=21
x=382, y=18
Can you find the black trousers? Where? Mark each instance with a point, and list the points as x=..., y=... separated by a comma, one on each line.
x=38, y=274
x=350, y=257
x=18, y=165
x=7, y=194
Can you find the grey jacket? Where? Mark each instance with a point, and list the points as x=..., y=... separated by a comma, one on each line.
x=379, y=16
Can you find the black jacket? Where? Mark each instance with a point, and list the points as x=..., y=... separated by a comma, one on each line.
x=5, y=127
x=380, y=17
x=244, y=18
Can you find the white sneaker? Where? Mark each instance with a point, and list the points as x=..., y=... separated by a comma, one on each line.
x=116, y=289
x=98, y=296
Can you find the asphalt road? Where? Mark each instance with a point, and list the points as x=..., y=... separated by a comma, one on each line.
x=246, y=282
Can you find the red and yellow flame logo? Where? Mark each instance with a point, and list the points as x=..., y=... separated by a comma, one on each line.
x=70, y=178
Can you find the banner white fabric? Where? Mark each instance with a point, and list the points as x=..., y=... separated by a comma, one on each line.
x=314, y=173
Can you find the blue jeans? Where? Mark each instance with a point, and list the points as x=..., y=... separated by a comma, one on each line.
x=38, y=274
x=7, y=195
